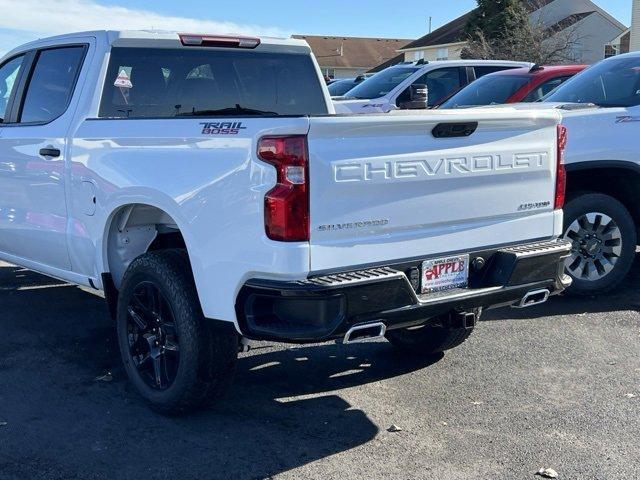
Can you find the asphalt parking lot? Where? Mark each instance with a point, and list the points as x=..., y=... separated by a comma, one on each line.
x=557, y=386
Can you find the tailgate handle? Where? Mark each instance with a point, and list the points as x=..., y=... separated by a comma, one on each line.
x=447, y=130
x=50, y=152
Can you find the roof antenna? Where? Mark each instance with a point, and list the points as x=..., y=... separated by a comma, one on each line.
x=430, y=20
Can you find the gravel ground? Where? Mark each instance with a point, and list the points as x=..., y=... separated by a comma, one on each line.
x=552, y=387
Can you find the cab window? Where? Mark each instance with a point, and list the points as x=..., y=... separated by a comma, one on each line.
x=165, y=82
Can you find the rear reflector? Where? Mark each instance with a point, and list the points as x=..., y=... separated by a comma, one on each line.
x=561, y=172
x=286, y=206
x=197, y=40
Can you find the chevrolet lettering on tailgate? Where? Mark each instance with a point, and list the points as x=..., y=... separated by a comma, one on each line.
x=368, y=171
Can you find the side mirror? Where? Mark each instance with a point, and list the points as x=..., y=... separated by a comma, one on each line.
x=418, y=98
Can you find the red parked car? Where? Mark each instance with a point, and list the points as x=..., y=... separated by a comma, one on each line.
x=512, y=86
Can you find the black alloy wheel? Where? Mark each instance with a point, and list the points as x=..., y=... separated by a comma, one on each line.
x=175, y=358
x=153, y=336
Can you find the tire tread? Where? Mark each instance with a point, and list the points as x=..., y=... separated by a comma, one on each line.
x=216, y=350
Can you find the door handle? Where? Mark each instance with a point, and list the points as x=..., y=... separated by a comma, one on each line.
x=50, y=152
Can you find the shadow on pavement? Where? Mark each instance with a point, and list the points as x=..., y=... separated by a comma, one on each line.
x=625, y=297
x=62, y=423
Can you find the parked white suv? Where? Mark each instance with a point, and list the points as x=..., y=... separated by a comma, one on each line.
x=202, y=183
x=391, y=89
x=601, y=109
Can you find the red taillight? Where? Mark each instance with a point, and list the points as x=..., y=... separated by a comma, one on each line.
x=561, y=173
x=286, y=206
x=198, y=40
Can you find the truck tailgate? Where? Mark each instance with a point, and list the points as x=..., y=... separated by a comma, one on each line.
x=386, y=188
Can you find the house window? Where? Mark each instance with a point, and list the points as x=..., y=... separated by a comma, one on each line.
x=443, y=54
x=610, y=50
x=418, y=55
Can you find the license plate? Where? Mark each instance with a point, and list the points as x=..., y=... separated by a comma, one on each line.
x=445, y=273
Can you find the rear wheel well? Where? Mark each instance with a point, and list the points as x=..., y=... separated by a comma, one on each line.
x=135, y=230
x=620, y=183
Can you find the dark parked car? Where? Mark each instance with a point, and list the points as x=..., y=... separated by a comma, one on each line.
x=340, y=87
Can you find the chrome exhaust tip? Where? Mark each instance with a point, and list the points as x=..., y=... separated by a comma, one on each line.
x=367, y=331
x=535, y=297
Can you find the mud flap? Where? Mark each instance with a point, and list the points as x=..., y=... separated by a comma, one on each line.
x=110, y=295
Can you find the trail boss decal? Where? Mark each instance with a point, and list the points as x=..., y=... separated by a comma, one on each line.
x=222, y=128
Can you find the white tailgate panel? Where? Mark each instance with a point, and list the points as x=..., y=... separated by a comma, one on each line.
x=384, y=188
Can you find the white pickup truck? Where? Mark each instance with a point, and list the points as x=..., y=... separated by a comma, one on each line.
x=204, y=185
x=603, y=171
x=601, y=109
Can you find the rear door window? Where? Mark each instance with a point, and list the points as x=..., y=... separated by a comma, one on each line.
x=547, y=87
x=8, y=74
x=51, y=84
x=148, y=83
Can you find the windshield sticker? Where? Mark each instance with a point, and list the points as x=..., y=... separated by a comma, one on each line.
x=123, y=80
x=222, y=128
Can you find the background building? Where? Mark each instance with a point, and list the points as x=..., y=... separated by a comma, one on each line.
x=635, y=27
x=593, y=26
x=620, y=44
x=344, y=57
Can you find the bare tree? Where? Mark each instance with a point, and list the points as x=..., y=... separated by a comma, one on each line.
x=532, y=41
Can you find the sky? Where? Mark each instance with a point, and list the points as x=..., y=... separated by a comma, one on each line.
x=25, y=20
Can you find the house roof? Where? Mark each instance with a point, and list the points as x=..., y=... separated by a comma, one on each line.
x=567, y=22
x=454, y=31
x=450, y=33
x=353, y=52
x=389, y=63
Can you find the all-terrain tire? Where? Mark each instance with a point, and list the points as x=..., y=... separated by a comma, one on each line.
x=207, y=354
x=584, y=203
